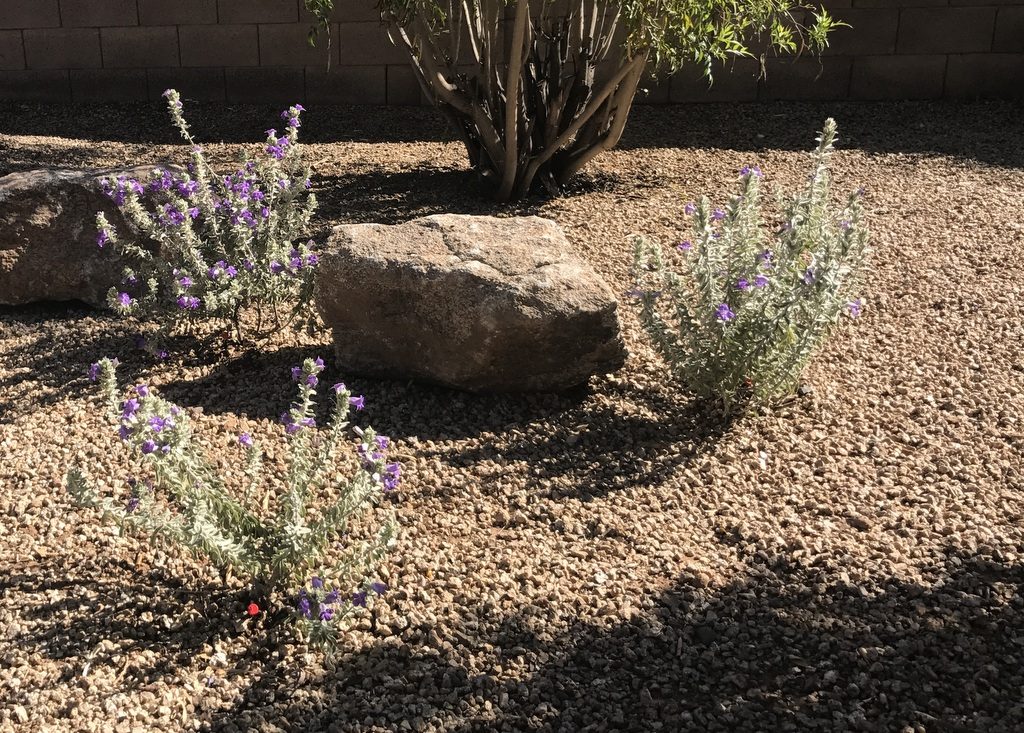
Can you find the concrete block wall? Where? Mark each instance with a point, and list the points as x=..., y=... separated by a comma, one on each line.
x=256, y=51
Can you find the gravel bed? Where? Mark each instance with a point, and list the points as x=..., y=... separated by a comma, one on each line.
x=607, y=560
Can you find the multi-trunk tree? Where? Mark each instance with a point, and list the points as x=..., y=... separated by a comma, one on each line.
x=538, y=89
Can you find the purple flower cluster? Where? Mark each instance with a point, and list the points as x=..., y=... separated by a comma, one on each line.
x=188, y=302
x=374, y=458
x=152, y=434
x=319, y=602
x=221, y=269
x=754, y=171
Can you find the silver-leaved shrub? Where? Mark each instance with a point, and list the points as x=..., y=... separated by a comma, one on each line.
x=224, y=243
x=750, y=304
x=275, y=541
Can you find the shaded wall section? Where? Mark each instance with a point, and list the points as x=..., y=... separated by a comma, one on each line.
x=256, y=51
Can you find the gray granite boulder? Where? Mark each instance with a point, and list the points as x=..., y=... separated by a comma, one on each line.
x=476, y=303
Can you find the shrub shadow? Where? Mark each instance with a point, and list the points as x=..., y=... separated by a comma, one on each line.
x=788, y=646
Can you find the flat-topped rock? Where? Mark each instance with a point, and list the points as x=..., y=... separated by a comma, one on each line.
x=476, y=303
x=48, y=235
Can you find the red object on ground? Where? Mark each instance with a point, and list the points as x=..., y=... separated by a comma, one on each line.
x=253, y=609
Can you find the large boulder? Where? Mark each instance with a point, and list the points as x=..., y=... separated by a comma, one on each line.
x=476, y=303
x=48, y=235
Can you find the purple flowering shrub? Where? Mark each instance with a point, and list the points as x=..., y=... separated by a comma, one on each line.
x=740, y=321
x=224, y=242
x=185, y=502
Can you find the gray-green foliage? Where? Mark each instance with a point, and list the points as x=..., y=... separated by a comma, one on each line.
x=537, y=90
x=223, y=243
x=750, y=305
x=185, y=502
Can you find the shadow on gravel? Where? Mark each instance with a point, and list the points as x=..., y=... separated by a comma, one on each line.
x=583, y=444
x=105, y=616
x=791, y=646
x=52, y=365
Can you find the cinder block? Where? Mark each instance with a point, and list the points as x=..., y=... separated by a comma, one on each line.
x=265, y=86
x=367, y=44
x=177, y=12
x=219, y=45
x=871, y=31
x=898, y=77
x=806, y=78
x=287, y=44
x=733, y=82
x=946, y=30
x=63, y=48
x=108, y=85
x=12, y=52
x=347, y=85
x=205, y=85
x=1009, y=30
x=29, y=14
x=138, y=48
x=258, y=11
x=988, y=76
x=35, y=85
x=98, y=13
x=403, y=88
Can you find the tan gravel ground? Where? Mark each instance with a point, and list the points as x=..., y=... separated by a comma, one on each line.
x=606, y=560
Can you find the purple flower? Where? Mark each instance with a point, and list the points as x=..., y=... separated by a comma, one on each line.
x=185, y=282
x=316, y=582
x=148, y=446
x=844, y=225
x=311, y=380
x=754, y=171
x=304, y=607
x=318, y=363
x=159, y=423
x=132, y=504
x=357, y=402
x=382, y=441
x=326, y=613
x=142, y=390
x=186, y=302
x=296, y=263
x=724, y=313
x=124, y=299
x=312, y=260
x=124, y=432
x=690, y=209
x=685, y=246
x=765, y=258
x=129, y=408
x=761, y=281
x=743, y=284
x=359, y=598
x=245, y=439
x=855, y=307
x=102, y=238
x=332, y=597
x=809, y=276
x=378, y=587
x=276, y=267
x=296, y=373
x=392, y=474
x=94, y=372
x=717, y=215
x=339, y=387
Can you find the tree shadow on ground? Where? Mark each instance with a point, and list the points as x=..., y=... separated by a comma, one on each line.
x=791, y=646
x=104, y=615
x=988, y=132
